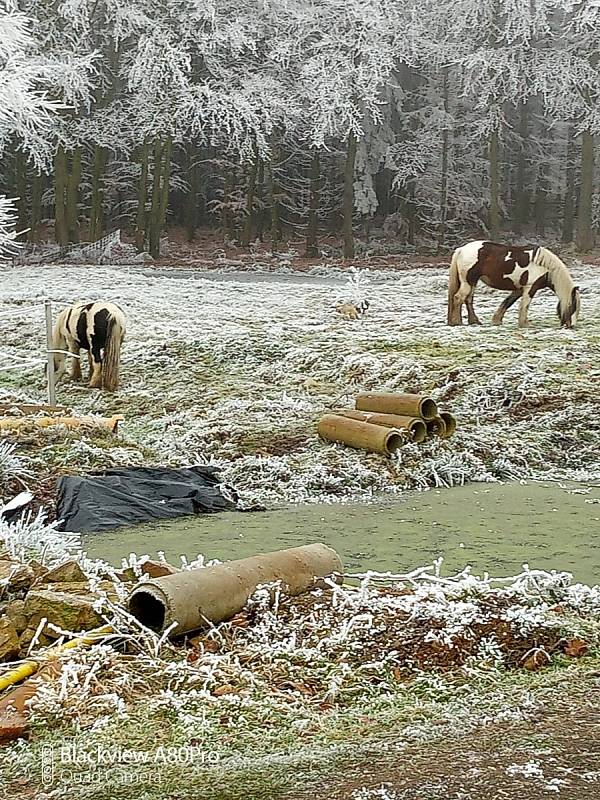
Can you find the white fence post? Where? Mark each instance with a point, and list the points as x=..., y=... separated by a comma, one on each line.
x=51, y=376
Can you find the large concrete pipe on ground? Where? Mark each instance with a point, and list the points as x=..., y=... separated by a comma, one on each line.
x=450, y=423
x=436, y=427
x=415, y=427
x=410, y=405
x=197, y=597
x=362, y=435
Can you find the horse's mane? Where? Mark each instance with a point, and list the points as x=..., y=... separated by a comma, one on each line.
x=561, y=281
x=559, y=274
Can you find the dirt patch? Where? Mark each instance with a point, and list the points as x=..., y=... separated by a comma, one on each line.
x=555, y=753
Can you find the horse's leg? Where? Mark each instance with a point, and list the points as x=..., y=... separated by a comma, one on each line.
x=524, y=307
x=473, y=318
x=459, y=298
x=76, y=365
x=96, y=365
x=504, y=306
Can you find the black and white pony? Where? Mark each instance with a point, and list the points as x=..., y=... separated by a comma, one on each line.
x=522, y=271
x=98, y=328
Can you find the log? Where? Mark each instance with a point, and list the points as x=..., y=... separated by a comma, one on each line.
x=361, y=435
x=16, y=423
x=410, y=405
x=195, y=598
x=415, y=427
x=32, y=408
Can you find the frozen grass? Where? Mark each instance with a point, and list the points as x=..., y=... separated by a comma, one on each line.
x=237, y=371
x=306, y=682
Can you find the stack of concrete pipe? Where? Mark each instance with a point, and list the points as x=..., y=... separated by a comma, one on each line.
x=384, y=421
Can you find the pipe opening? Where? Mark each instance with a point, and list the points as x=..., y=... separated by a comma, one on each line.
x=148, y=610
x=418, y=431
x=428, y=408
x=450, y=423
x=436, y=427
x=393, y=442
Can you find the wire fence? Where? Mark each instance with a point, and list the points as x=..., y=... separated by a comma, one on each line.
x=90, y=252
x=9, y=361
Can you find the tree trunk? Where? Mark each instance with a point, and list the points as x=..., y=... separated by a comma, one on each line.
x=260, y=193
x=166, y=183
x=250, y=192
x=541, y=196
x=96, y=212
x=73, y=181
x=140, y=220
x=36, y=207
x=21, y=189
x=494, y=222
x=227, y=222
x=273, y=191
x=61, y=232
x=585, y=235
x=568, y=226
x=160, y=193
x=348, y=199
x=521, y=194
x=312, y=243
x=191, y=203
x=444, y=167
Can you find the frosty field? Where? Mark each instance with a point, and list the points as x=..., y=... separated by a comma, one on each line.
x=434, y=686
x=237, y=368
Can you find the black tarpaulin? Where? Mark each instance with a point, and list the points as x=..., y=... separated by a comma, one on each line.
x=123, y=496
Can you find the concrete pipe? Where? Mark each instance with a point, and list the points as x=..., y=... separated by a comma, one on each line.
x=415, y=427
x=436, y=427
x=362, y=435
x=197, y=597
x=409, y=405
x=449, y=422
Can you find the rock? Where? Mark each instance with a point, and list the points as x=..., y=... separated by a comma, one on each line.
x=19, y=576
x=43, y=640
x=39, y=570
x=67, y=610
x=69, y=572
x=13, y=725
x=153, y=569
x=15, y=611
x=9, y=640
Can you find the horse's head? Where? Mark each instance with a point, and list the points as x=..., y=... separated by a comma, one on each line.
x=569, y=311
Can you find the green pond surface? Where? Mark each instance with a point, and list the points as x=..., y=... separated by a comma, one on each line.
x=493, y=527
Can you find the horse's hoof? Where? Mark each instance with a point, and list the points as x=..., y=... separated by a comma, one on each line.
x=474, y=322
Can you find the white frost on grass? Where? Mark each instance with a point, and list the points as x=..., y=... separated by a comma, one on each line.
x=236, y=370
x=31, y=537
x=533, y=771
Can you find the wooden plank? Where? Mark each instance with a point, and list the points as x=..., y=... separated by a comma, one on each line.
x=32, y=408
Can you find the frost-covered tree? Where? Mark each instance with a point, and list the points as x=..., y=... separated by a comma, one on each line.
x=27, y=114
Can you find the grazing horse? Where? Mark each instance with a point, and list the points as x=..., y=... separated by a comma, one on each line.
x=98, y=328
x=522, y=271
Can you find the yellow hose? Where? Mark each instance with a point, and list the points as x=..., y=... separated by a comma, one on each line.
x=28, y=668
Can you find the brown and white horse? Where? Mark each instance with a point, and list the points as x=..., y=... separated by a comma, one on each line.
x=522, y=271
x=98, y=328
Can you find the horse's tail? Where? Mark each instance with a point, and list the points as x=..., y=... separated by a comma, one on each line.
x=453, y=285
x=115, y=333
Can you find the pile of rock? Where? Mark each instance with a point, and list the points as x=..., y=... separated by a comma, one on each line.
x=62, y=595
